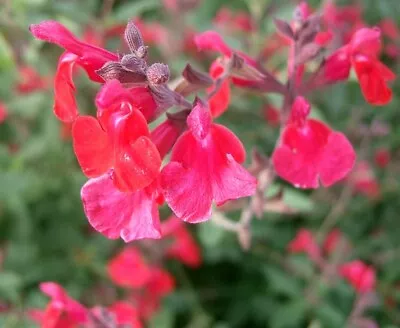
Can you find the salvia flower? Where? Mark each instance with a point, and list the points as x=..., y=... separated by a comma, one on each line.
x=90, y=57
x=362, y=54
x=309, y=152
x=382, y=157
x=363, y=180
x=119, y=139
x=148, y=283
x=126, y=314
x=304, y=242
x=3, y=112
x=361, y=276
x=128, y=269
x=62, y=311
x=30, y=80
x=204, y=168
x=160, y=285
x=117, y=214
x=183, y=246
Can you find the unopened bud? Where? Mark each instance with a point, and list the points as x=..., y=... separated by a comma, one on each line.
x=158, y=74
x=133, y=37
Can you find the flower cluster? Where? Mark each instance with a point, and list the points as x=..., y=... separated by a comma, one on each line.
x=187, y=160
x=359, y=275
x=123, y=158
x=143, y=279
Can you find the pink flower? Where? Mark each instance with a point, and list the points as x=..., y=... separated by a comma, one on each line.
x=160, y=285
x=359, y=275
x=219, y=102
x=165, y=135
x=30, y=80
x=126, y=314
x=90, y=57
x=212, y=41
x=363, y=180
x=119, y=139
x=382, y=157
x=65, y=107
x=62, y=311
x=362, y=54
x=304, y=242
x=80, y=53
x=129, y=269
x=129, y=215
x=332, y=240
x=235, y=21
x=3, y=112
x=205, y=165
x=344, y=20
x=310, y=151
x=271, y=115
x=183, y=246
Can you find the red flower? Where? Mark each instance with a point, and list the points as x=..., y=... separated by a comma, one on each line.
x=128, y=269
x=310, y=151
x=239, y=21
x=363, y=180
x=332, y=240
x=362, y=54
x=30, y=80
x=129, y=215
x=212, y=41
x=337, y=66
x=344, y=20
x=219, y=102
x=183, y=247
x=62, y=311
x=165, y=135
x=305, y=242
x=119, y=139
x=3, y=112
x=160, y=285
x=90, y=57
x=205, y=165
x=271, y=115
x=359, y=275
x=126, y=314
x=382, y=157
x=65, y=107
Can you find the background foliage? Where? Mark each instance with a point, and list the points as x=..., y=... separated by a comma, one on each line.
x=44, y=234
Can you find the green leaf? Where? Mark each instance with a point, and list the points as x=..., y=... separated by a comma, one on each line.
x=6, y=55
x=296, y=199
x=330, y=316
x=282, y=283
x=289, y=315
x=163, y=319
x=210, y=235
x=10, y=285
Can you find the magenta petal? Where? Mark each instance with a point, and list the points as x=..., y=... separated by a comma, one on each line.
x=54, y=32
x=115, y=214
x=189, y=204
x=338, y=159
x=212, y=41
x=294, y=169
x=232, y=181
x=312, y=152
x=199, y=120
x=65, y=107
